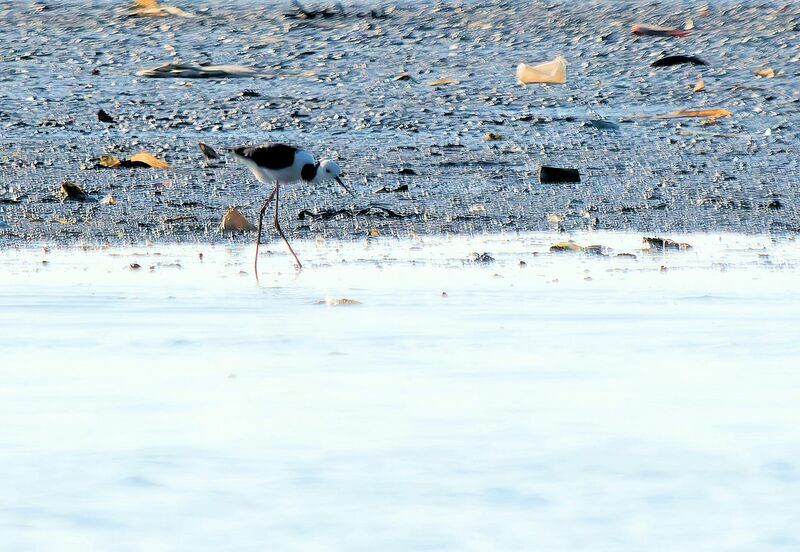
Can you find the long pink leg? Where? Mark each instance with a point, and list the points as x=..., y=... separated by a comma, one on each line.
x=278, y=228
x=274, y=194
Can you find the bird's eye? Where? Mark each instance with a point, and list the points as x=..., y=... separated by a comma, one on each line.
x=327, y=170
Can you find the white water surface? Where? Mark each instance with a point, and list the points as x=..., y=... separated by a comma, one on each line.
x=577, y=403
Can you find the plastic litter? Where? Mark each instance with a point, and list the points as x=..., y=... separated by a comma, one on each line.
x=234, y=221
x=554, y=71
x=555, y=175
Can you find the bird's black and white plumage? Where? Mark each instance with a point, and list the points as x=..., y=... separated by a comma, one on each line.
x=283, y=164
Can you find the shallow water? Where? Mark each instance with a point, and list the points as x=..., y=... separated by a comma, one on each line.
x=332, y=88
x=579, y=402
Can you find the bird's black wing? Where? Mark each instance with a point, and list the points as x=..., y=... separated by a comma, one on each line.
x=269, y=156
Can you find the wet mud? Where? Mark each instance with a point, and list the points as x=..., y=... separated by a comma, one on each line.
x=354, y=84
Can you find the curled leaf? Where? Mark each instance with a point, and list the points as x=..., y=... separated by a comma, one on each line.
x=443, y=81
x=109, y=161
x=149, y=159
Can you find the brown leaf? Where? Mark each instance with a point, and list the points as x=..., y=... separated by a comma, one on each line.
x=766, y=72
x=109, y=161
x=688, y=113
x=699, y=85
x=62, y=220
x=149, y=159
x=443, y=81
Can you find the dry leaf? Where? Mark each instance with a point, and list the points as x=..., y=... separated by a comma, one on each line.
x=108, y=200
x=109, y=161
x=443, y=81
x=491, y=136
x=62, y=220
x=151, y=8
x=149, y=159
x=699, y=85
x=766, y=72
x=477, y=208
x=234, y=221
x=688, y=113
x=572, y=246
x=333, y=302
x=374, y=232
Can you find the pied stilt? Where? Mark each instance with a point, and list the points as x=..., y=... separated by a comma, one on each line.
x=284, y=164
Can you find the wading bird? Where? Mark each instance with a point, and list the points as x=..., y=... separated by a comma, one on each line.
x=284, y=164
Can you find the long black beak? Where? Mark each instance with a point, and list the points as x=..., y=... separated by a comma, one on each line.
x=349, y=191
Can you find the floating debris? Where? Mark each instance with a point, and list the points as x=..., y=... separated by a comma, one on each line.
x=641, y=29
x=195, y=71
x=387, y=190
x=663, y=244
x=554, y=72
x=151, y=8
x=493, y=136
x=208, y=151
x=556, y=175
x=73, y=192
x=677, y=60
x=679, y=113
x=108, y=161
x=407, y=172
x=601, y=124
x=140, y=159
x=442, y=82
x=337, y=302
x=481, y=258
x=766, y=72
x=699, y=85
x=328, y=214
x=234, y=221
x=104, y=117
x=571, y=246
x=108, y=200
x=64, y=220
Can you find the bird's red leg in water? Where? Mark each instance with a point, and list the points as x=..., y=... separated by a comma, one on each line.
x=278, y=228
x=260, y=223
